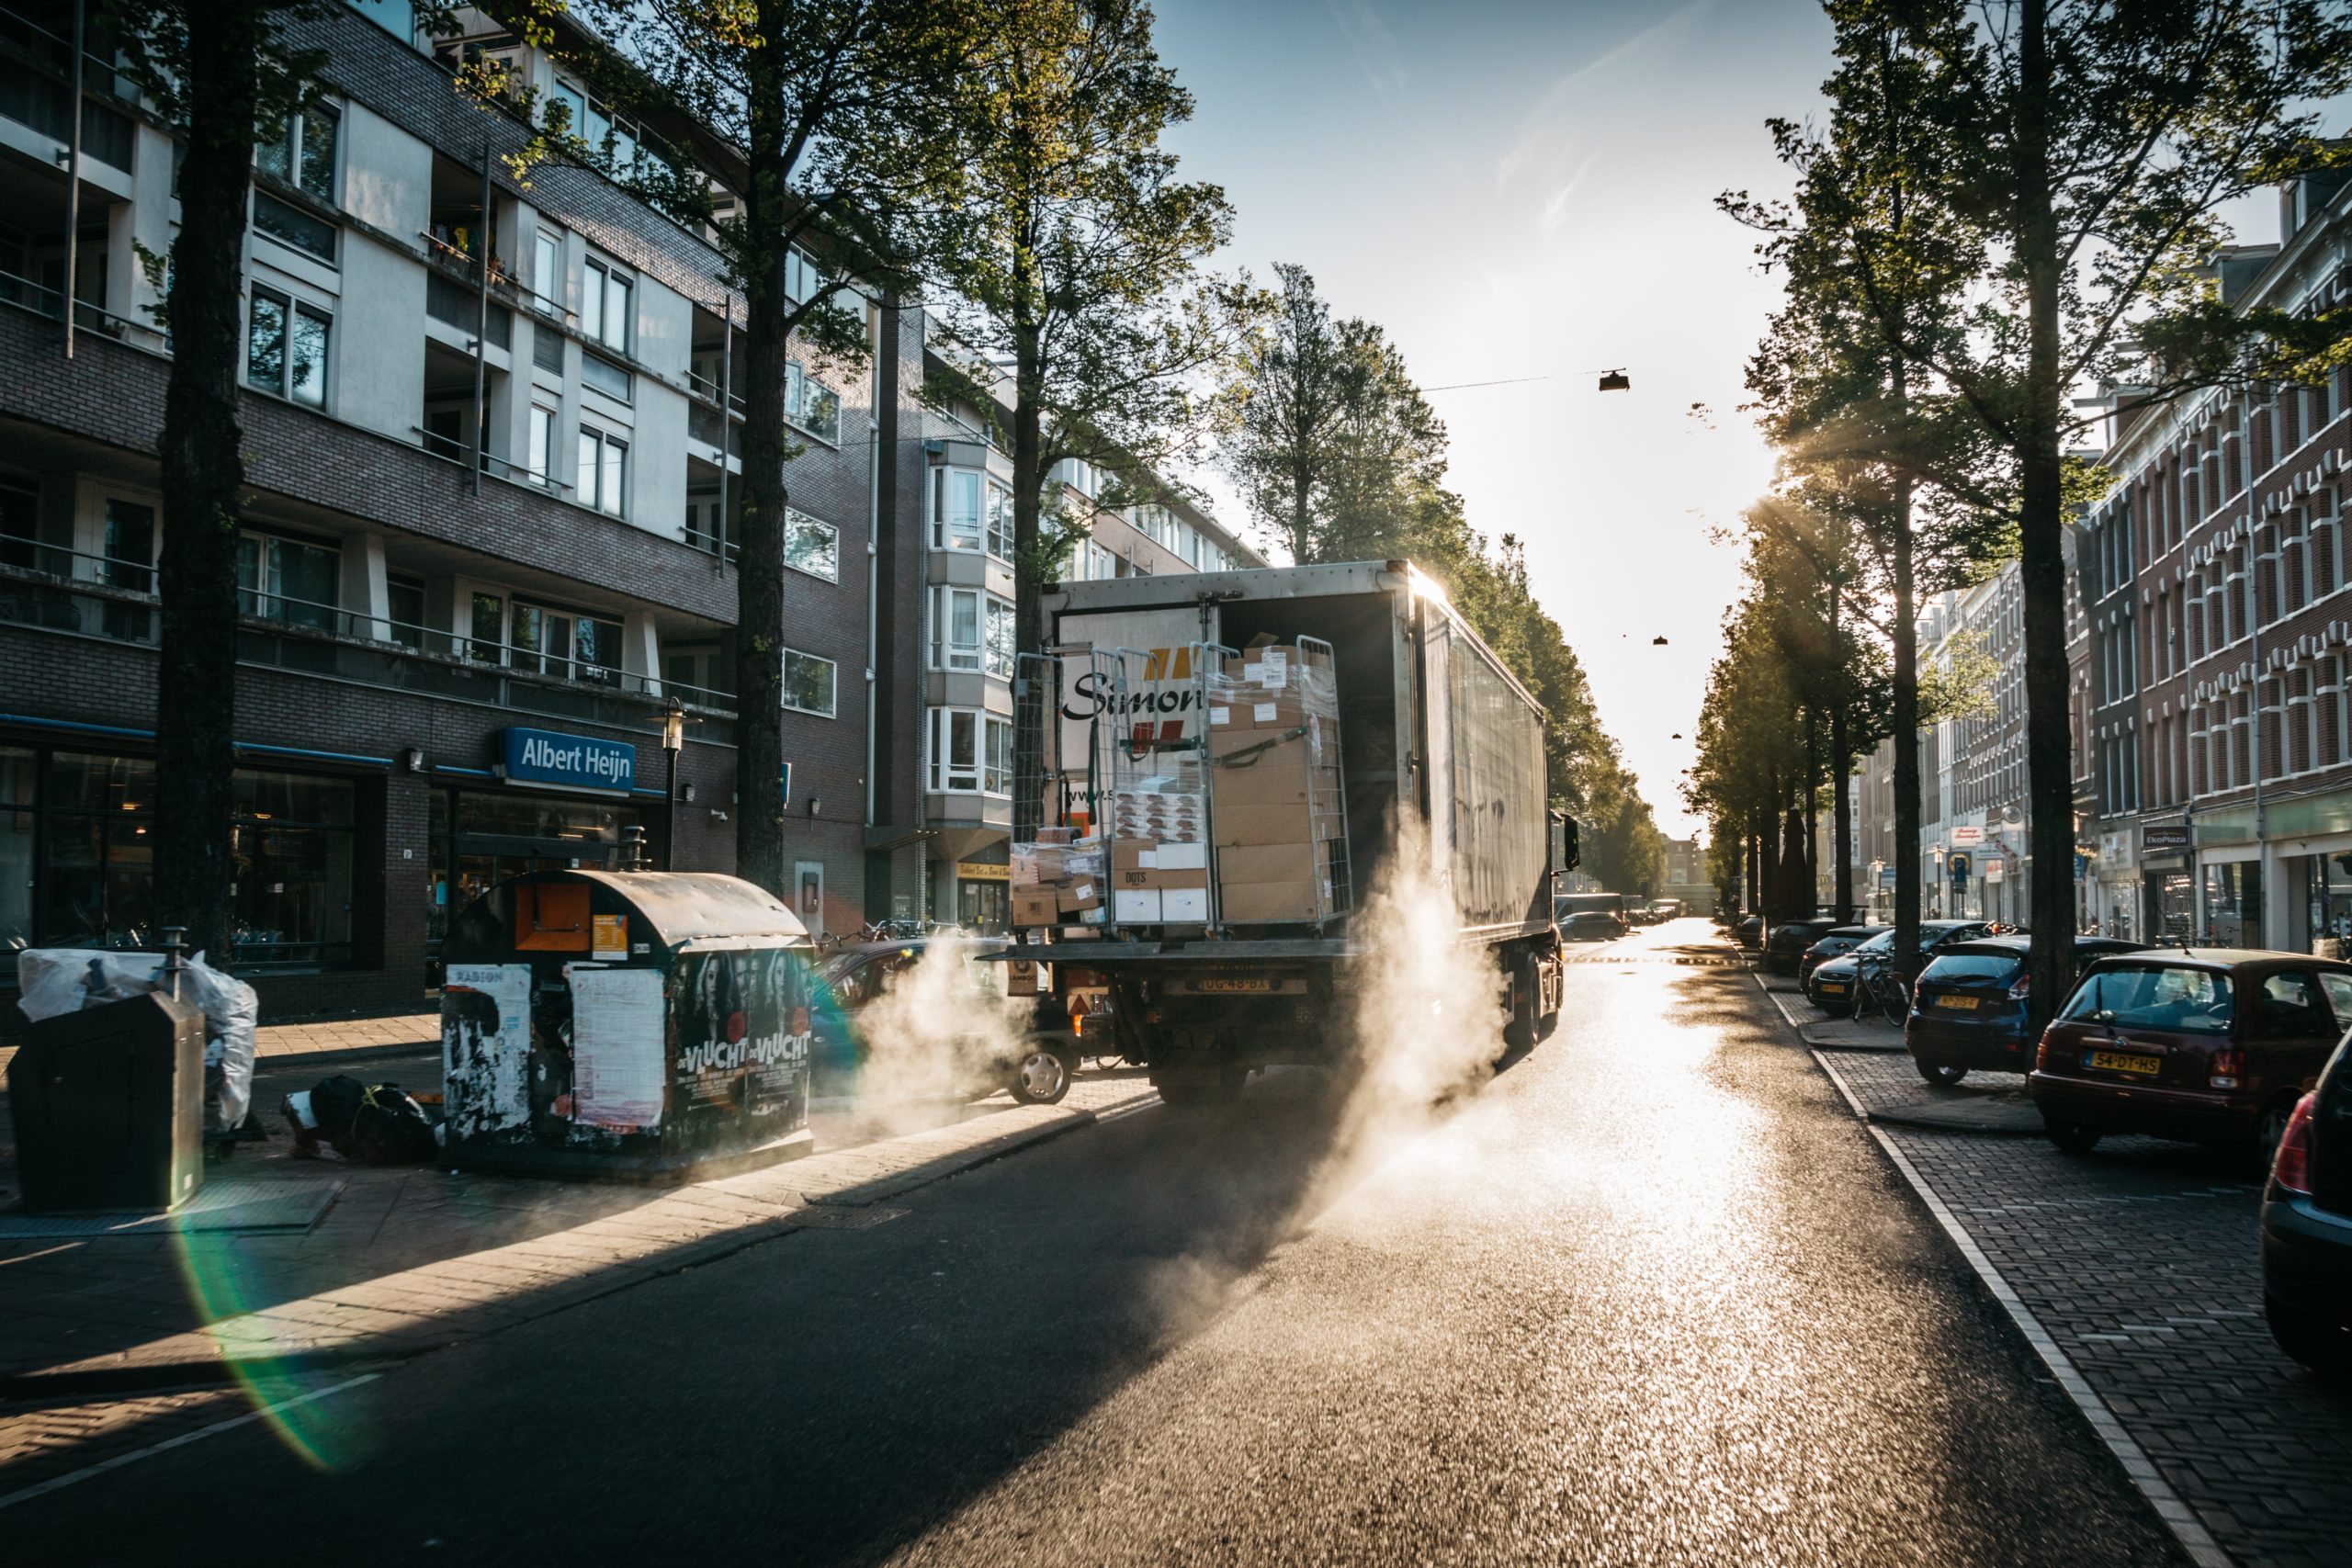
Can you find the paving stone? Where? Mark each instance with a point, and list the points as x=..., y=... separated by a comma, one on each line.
x=2143, y=1260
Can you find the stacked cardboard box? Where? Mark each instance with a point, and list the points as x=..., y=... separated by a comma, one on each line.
x=1276, y=793
x=1059, y=880
x=1156, y=882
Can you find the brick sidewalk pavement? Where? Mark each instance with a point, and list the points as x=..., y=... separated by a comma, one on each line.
x=2142, y=1261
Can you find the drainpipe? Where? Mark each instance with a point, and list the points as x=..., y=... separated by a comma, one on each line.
x=726, y=420
x=481, y=334
x=2254, y=627
x=73, y=181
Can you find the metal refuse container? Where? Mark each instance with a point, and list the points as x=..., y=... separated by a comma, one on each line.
x=629, y=1025
x=109, y=1106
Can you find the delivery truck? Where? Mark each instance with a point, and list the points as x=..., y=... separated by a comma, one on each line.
x=1232, y=761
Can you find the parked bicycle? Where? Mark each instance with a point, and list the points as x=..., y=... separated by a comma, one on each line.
x=1879, y=992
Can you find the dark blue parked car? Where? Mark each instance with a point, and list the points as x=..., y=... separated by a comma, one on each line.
x=1968, y=1011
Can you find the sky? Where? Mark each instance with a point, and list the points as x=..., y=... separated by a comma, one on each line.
x=1516, y=190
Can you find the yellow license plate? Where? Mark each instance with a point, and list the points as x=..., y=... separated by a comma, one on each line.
x=1957, y=1004
x=2116, y=1061
x=1232, y=986
x=1832, y=988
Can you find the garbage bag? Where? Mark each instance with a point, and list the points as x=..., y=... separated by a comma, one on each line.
x=54, y=980
x=365, y=1123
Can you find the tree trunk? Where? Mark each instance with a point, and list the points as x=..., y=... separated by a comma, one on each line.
x=2049, y=825
x=202, y=474
x=1028, y=612
x=1842, y=814
x=1906, y=730
x=759, y=584
x=1812, y=804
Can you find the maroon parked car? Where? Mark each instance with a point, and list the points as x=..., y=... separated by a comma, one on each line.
x=2213, y=1046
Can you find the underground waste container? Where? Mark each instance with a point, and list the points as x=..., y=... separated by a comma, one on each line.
x=630, y=1025
x=108, y=1107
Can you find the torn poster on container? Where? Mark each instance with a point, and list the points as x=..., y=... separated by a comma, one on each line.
x=486, y=1047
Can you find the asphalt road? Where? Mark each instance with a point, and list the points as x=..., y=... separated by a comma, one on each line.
x=1649, y=1296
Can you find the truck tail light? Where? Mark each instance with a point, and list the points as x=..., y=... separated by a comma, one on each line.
x=2223, y=1068
x=2292, y=1169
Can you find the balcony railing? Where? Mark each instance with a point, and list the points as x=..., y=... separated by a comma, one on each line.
x=50, y=588
x=50, y=303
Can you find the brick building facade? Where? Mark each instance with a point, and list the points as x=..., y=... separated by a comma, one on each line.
x=426, y=572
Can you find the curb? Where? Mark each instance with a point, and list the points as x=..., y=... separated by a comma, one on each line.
x=212, y=1370
x=2174, y=1515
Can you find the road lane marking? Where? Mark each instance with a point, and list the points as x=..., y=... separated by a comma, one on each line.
x=2194, y=1538
x=214, y=1430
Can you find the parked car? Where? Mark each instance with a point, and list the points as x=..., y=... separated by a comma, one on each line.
x=1591, y=925
x=1969, y=1009
x=2211, y=1046
x=1035, y=1064
x=1750, y=932
x=1834, y=942
x=1831, y=986
x=1663, y=910
x=1789, y=940
x=2307, y=1225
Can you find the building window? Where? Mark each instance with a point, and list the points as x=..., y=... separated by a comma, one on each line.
x=547, y=274
x=100, y=888
x=955, y=629
x=286, y=348
x=807, y=683
x=404, y=597
x=810, y=405
x=566, y=645
x=542, y=443
x=998, y=630
x=1000, y=521
x=488, y=644
x=811, y=546
x=956, y=509
x=286, y=580
x=603, y=472
x=970, y=751
x=289, y=225
x=599, y=374
x=303, y=156
x=129, y=564
x=293, y=856
x=604, y=304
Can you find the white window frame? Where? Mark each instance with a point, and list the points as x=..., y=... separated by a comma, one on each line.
x=547, y=272
x=941, y=537
x=996, y=519
x=607, y=291
x=832, y=683
x=794, y=518
x=797, y=383
x=946, y=653
x=990, y=769
x=541, y=449
x=599, y=495
x=998, y=640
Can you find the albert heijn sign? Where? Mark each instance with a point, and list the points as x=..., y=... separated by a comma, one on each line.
x=545, y=759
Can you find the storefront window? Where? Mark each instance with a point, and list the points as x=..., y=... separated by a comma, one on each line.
x=2234, y=905
x=499, y=836
x=982, y=906
x=101, y=865
x=2329, y=887
x=17, y=800
x=2169, y=907
x=291, y=900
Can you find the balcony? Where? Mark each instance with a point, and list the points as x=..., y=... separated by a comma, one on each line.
x=66, y=593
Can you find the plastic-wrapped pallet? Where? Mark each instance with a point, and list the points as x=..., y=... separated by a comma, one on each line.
x=1059, y=879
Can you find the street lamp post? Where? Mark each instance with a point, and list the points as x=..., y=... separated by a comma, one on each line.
x=674, y=744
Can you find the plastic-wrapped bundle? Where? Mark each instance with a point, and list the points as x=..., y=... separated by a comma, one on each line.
x=54, y=980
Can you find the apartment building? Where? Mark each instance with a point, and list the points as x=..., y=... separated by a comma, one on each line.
x=2223, y=755
x=970, y=665
x=491, y=435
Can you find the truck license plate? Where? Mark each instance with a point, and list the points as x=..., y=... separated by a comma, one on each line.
x=1234, y=986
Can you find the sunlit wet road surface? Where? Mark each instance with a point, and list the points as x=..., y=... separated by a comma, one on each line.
x=1649, y=1296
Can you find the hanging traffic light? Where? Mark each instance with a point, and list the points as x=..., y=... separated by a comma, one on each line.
x=1615, y=381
